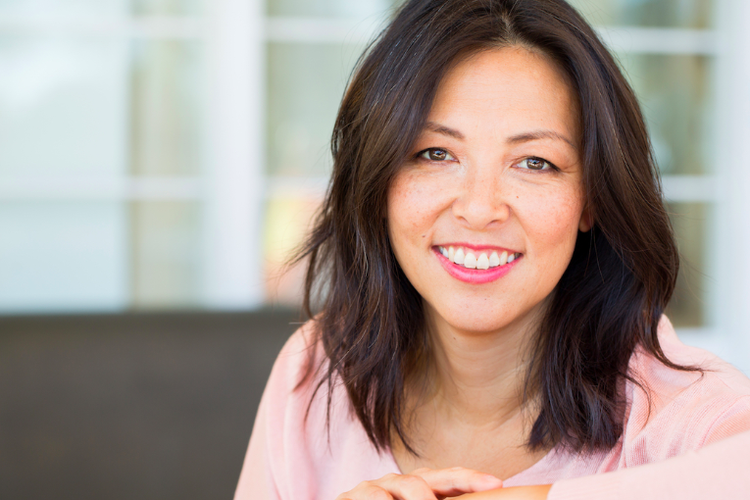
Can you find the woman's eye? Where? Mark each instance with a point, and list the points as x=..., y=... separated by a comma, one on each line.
x=535, y=164
x=436, y=154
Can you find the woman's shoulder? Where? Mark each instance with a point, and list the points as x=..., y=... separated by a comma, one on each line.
x=300, y=388
x=290, y=406
x=670, y=413
x=676, y=411
x=713, y=377
x=300, y=356
x=314, y=446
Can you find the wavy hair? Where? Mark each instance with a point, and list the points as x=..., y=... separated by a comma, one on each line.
x=610, y=299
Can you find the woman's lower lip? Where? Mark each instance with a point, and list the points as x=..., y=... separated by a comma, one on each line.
x=474, y=276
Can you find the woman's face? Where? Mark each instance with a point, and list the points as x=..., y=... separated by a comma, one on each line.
x=484, y=215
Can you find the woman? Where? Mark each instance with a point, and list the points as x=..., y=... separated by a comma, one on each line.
x=491, y=266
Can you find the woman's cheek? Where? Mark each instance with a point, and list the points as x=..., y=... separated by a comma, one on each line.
x=417, y=199
x=552, y=217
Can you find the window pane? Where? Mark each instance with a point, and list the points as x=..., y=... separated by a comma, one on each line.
x=167, y=111
x=305, y=85
x=329, y=8
x=662, y=13
x=288, y=220
x=51, y=8
x=63, y=107
x=58, y=256
x=675, y=96
x=88, y=8
x=688, y=307
x=167, y=7
x=166, y=254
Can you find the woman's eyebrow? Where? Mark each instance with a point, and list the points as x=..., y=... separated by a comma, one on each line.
x=441, y=129
x=525, y=137
x=540, y=134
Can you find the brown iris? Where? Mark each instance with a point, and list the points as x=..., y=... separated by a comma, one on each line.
x=437, y=154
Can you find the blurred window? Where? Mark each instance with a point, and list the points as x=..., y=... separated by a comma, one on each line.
x=663, y=46
x=134, y=132
x=102, y=146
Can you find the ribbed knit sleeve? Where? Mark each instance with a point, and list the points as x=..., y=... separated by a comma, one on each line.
x=720, y=470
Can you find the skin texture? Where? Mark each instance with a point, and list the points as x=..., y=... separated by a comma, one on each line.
x=484, y=195
x=423, y=484
x=539, y=492
x=497, y=166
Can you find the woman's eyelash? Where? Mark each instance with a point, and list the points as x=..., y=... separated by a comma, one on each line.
x=533, y=163
x=538, y=164
x=435, y=154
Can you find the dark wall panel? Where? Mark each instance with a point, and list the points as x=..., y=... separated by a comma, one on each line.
x=146, y=406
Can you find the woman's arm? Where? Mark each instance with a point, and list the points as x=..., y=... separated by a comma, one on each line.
x=538, y=492
x=720, y=470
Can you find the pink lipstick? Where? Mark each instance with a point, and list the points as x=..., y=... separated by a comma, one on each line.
x=461, y=262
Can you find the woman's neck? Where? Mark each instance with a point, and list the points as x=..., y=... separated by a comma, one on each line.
x=467, y=408
x=478, y=377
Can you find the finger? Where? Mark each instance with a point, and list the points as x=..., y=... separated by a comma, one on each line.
x=391, y=487
x=407, y=487
x=455, y=481
x=366, y=491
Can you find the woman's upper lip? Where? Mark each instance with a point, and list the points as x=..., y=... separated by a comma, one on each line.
x=477, y=247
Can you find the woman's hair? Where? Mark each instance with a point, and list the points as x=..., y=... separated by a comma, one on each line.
x=609, y=300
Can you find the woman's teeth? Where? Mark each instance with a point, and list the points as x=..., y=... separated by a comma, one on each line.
x=469, y=259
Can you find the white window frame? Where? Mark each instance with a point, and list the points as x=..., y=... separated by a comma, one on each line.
x=235, y=187
x=232, y=186
x=729, y=334
x=732, y=248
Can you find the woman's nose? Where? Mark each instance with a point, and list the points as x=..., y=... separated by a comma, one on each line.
x=481, y=201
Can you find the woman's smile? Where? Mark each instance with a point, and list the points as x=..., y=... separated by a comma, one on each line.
x=488, y=207
x=476, y=265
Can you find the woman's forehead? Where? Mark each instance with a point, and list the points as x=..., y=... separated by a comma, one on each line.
x=511, y=90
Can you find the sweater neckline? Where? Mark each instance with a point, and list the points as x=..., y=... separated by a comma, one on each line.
x=517, y=479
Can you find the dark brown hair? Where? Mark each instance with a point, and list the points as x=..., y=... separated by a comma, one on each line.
x=609, y=300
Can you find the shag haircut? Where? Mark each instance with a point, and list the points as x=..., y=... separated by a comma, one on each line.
x=370, y=319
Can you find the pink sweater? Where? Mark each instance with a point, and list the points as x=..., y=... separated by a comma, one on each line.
x=290, y=459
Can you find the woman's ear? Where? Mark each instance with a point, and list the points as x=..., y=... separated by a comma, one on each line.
x=587, y=221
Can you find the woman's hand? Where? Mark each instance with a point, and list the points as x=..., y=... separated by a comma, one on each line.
x=538, y=492
x=423, y=484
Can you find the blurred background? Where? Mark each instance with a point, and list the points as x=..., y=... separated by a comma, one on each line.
x=159, y=159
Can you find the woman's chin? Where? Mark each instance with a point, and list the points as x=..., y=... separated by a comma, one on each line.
x=477, y=322
x=470, y=319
